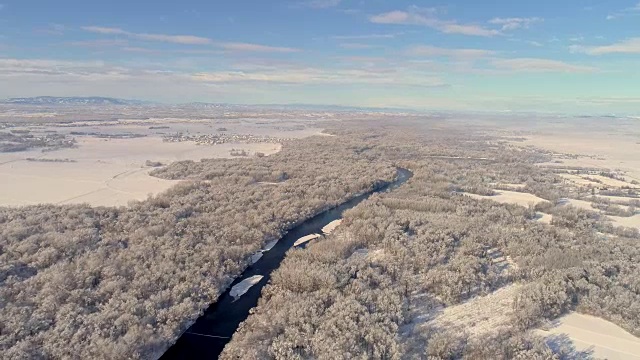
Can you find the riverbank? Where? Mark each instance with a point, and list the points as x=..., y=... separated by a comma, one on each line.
x=206, y=338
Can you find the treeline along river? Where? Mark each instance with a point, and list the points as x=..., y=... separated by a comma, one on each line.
x=207, y=337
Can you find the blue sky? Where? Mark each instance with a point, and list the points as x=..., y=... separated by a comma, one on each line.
x=556, y=56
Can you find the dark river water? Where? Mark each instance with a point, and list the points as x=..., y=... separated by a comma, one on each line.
x=207, y=337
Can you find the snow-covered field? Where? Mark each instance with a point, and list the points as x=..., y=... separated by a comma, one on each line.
x=632, y=221
x=580, y=204
x=478, y=316
x=510, y=197
x=605, y=339
x=108, y=172
x=618, y=149
x=544, y=218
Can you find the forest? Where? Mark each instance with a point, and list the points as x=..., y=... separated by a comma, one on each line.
x=369, y=290
x=82, y=282
x=78, y=282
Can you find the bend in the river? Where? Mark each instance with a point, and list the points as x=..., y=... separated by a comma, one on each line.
x=207, y=337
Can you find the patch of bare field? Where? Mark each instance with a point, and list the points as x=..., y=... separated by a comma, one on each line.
x=156, y=127
x=270, y=183
x=580, y=204
x=376, y=255
x=504, y=263
x=605, y=339
x=101, y=172
x=610, y=182
x=544, y=218
x=508, y=186
x=617, y=199
x=579, y=180
x=616, y=149
x=632, y=221
x=510, y=197
x=479, y=316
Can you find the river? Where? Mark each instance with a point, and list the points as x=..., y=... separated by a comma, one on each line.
x=207, y=337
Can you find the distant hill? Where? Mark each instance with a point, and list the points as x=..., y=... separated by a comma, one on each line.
x=53, y=100
x=308, y=107
x=96, y=100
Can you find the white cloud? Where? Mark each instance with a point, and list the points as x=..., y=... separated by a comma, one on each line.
x=612, y=100
x=56, y=29
x=515, y=23
x=365, y=37
x=52, y=29
x=256, y=48
x=100, y=43
x=474, y=30
x=62, y=70
x=634, y=10
x=35, y=77
x=143, y=50
x=322, y=4
x=426, y=17
x=357, y=46
x=540, y=65
x=274, y=82
x=394, y=17
x=305, y=76
x=176, y=39
x=422, y=50
x=97, y=74
x=628, y=46
x=189, y=40
x=105, y=30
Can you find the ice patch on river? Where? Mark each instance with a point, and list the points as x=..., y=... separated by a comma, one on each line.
x=270, y=245
x=331, y=226
x=306, y=239
x=255, y=257
x=242, y=287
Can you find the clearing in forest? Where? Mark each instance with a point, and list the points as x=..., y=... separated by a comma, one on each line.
x=605, y=339
x=511, y=197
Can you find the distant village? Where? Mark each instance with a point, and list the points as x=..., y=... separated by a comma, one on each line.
x=21, y=140
x=215, y=139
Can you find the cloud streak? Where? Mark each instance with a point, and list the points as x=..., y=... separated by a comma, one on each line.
x=189, y=40
x=515, y=23
x=535, y=65
x=432, y=51
x=100, y=43
x=365, y=36
x=634, y=10
x=426, y=17
x=628, y=46
x=175, y=39
x=87, y=73
x=247, y=47
x=357, y=46
x=322, y=4
x=315, y=76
